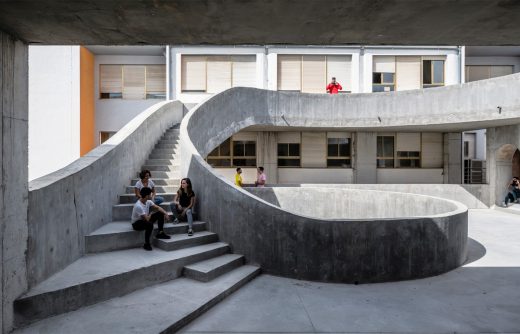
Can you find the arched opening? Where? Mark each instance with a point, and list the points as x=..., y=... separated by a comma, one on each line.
x=516, y=164
x=505, y=168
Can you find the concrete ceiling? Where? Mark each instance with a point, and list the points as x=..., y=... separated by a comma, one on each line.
x=304, y=22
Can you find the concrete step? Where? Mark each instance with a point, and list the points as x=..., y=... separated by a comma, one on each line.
x=130, y=198
x=122, y=212
x=168, y=140
x=161, y=182
x=120, y=235
x=162, y=162
x=179, y=241
x=163, y=174
x=170, y=156
x=164, y=151
x=208, y=270
x=166, y=146
x=158, y=189
x=98, y=277
x=163, y=308
x=163, y=168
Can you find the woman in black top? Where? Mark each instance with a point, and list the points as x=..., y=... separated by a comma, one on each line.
x=182, y=205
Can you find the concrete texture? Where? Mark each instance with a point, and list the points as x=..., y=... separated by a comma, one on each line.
x=205, y=271
x=13, y=173
x=98, y=277
x=483, y=296
x=467, y=22
x=343, y=203
x=69, y=204
x=162, y=308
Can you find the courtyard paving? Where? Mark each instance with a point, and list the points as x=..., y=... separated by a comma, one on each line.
x=483, y=296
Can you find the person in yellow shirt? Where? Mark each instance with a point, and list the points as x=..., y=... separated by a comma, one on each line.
x=238, y=177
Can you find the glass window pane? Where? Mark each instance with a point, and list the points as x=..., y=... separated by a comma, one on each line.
x=294, y=150
x=427, y=72
x=332, y=150
x=438, y=71
x=238, y=148
x=344, y=150
x=343, y=163
x=219, y=162
x=388, y=78
x=379, y=146
x=388, y=147
x=244, y=162
x=283, y=150
x=213, y=153
x=225, y=148
x=376, y=77
x=250, y=149
x=289, y=162
x=385, y=163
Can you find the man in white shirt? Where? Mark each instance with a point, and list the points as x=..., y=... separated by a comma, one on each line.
x=143, y=220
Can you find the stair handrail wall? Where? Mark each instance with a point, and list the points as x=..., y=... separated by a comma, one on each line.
x=70, y=203
x=280, y=241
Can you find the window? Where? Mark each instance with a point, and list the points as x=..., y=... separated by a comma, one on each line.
x=338, y=152
x=288, y=155
x=233, y=153
x=433, y=73
x=385, y=151
x=383, y=74
x=466, y=149
x=132, y=82
x=221, y=155
x=481, y=72
x=105, y=135
x=244, y=153
x=214, y=74
x=311, y=73
x=409, y=159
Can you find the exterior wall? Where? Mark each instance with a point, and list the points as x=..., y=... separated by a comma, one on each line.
x=513, y=61
x=409, y=175
x=87, y=96
x=113, y=114
x=54, y=108
x=314, y=175
x=13, y=174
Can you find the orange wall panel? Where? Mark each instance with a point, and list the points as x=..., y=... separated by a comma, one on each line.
x=87, y=106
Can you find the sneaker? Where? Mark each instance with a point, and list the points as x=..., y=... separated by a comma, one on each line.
x=190, y=233
x=162, y=235
x=503, y=204
x=176, y=221
x=147, y=247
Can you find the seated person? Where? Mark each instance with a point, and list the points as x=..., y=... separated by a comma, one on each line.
x=146, y=182
x=514, y=191
x=182, y=205
x=143, y=220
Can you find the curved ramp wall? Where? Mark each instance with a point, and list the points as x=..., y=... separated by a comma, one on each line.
x=70, y=203
x=292, y=245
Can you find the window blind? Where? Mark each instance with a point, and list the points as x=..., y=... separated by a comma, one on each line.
x=244, y=71
x=408, y=73
x=340, y=67
x=383, y=64
x=134, y=82
x=314, y=74
x=408, y=142
x=219, y=73
x=155, y=79
x=193, y=72
x=110, y=77
x=289, y=72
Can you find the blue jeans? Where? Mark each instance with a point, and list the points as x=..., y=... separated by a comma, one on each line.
x=158, y=200
x=177, y=214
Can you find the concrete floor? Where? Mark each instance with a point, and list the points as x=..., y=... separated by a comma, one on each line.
x=483, y=296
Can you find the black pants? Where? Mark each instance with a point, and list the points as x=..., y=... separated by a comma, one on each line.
x=148, y=225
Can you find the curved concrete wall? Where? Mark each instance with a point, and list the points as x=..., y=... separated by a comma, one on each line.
x=72, y=202
x=292, y=245
x=338, y=203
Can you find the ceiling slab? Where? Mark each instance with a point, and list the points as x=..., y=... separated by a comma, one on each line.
x=228, y=22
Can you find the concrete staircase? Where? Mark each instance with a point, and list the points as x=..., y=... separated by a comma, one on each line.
x=119, y=287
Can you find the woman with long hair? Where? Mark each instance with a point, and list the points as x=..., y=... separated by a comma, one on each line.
x=182, y=205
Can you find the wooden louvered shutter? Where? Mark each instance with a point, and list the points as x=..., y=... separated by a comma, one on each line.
x=193, y=73
x=156, y=79
x=244, y=71
x=219, y=73
x=289, y=72
x=314, y=73
x=110, y=79
x=134, y=82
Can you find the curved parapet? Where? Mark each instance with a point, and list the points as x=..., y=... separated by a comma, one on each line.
x=344, y=250
x=70, y=203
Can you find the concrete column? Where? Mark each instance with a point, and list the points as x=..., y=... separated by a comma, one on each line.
x=453, y=158
x=268, y=155
x=13, y=173
x=365, y=160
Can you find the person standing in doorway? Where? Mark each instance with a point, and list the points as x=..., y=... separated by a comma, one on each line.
x=238, y=177
x=261, y=178
x=334, y=87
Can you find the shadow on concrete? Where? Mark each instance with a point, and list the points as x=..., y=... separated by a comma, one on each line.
x=476, y=251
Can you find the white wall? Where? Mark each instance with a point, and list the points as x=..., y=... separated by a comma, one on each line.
x=314, y=175
x=54, y=108
x=248, y=174
x=113, y=114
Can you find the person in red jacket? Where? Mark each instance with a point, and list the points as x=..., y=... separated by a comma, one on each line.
x=334, y=87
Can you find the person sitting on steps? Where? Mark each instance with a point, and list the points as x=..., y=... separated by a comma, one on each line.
x=514, y=193
x=143, y=220
x=182, y=205
x=146, y=182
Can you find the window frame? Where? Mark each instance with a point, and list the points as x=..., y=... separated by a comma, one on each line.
x=383, y=83
x=119, y=95
x=232, y=156
x=289, y=157
x=433, y=84
x=339, y=157
x=385, y=157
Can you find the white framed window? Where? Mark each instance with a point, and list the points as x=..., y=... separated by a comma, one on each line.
x=213, y=74
x=132, y=82
x=339, y=150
